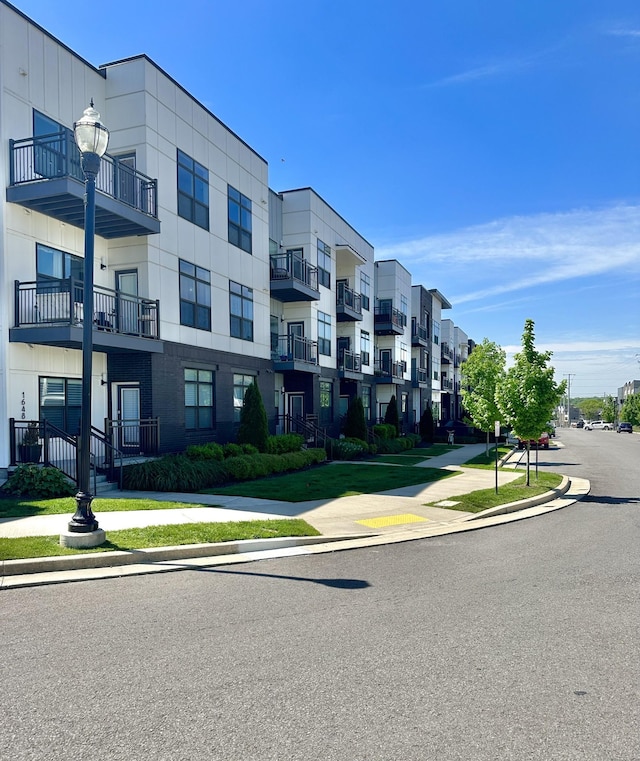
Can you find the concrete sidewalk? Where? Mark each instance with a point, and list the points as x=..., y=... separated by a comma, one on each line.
x=345, y=523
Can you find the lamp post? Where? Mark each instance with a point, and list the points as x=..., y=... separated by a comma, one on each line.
x=91, y=138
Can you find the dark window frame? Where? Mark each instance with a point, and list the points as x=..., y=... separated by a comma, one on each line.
x=204, y=414
x=239, y=219
x=324, y=264
x=193, y=190
x=240, y=324
x=324, y=340
x=194, y=312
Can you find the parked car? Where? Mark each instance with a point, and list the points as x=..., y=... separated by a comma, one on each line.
x=624, y=428
x=597, y=425
x=580, y=424
x=541, y=443
x=551, y=428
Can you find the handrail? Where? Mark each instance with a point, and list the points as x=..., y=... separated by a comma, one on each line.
x=116, y=454
x=292, y=265
x=47, y=157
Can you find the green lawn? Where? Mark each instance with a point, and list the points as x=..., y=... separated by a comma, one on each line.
x=484, y=461
x=483, y=499
x=331, y=481
x=19, y=507
x=159, y=536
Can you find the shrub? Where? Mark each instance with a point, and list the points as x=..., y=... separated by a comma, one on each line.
x=426, y=425
x=210, y=451
x=384, y=431
x=348, y=449
x=232, y=450
x=355, y=425
x=285, y=442
x=391, y=415
x=249, y=449
x=34, y=481
x=254, y=428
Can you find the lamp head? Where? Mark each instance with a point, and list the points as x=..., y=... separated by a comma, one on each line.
x=90, y=135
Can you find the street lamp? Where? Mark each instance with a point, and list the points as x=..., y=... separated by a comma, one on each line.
x=91, y=138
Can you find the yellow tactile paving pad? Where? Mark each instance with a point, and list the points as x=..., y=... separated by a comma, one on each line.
x=392, y=520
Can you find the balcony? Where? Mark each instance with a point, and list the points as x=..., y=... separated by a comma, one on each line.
x=293, y=278
x=386, y=371
x=51, y=313
x=46, y=176
x=295, y=353
x=447, y=384
x=349, y=365
x=348, y=304
x=419, y=335
x=446, y=352
x=389, y=321
x=419, y=377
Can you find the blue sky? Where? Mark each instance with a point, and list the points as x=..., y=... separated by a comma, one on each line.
x=492, y=147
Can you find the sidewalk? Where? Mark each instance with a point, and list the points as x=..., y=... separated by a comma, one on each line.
x=344, y=523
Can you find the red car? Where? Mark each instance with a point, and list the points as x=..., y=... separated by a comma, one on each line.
x=541, y=443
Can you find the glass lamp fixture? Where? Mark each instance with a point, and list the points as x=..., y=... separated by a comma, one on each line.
x=90, y=135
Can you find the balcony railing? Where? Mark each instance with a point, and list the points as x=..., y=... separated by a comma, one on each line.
x=348, y=303
x=419, y=335
x=60, y=302
x=54, y=160
x=388, y=319
x=447, y=352
x=419, y=375
x=293, y=278
x=385, y=368
x=349, y=361
x=296, y=349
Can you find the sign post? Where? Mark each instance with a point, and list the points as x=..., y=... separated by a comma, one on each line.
x=496, y=431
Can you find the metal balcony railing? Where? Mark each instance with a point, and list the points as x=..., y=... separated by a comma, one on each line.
x=347, y=297
x=349, y=361
x=291, y=266
x=419, y=375
x=387, y=369
x=54, y=156
x=418, y=332
x=390, y=315
x=60, y=302
x=296, y=349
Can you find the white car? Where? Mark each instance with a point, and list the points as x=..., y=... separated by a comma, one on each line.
x=598, y=425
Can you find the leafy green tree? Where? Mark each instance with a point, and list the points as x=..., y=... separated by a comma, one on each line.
x=527, y=394
x=630, y=410
x=480, y=375
x=426, y=425
x=590, y=408
x=254, y=428
x=609, y=409
x=355, y=426
x=391, y=415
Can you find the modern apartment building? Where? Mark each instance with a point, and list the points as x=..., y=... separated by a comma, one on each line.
x=204, y=279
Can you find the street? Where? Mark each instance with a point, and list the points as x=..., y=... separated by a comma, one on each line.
x=514, y=642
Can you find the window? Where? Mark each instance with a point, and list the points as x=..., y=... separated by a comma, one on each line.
x=326, y=403
x=366, y=402
x=50, y=153
x=198, y=399
x=404, y=402
x=241, y=311
x=404, y=308
x=239, y=219
x=324, y=264
x=193, y=191
x=61, y=403
x=52, y=264
x=365, y=347
x=324, y=333
x=436, y=332
x=274, y=324
x=195, y=296
x=403, y=357
x=365, y=290
x=240, y=385
x=435, y=364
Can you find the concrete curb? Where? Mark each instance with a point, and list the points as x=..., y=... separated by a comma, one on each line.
x=36, y=572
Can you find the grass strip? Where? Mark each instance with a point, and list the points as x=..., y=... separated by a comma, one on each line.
x=333, y=481
x=159, y=536
x=487, y=461
x=21, y=507
x=483, y=499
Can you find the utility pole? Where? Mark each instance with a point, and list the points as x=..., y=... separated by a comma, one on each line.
x=569, y=376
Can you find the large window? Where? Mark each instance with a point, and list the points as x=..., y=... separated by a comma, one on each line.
x=404, y=308
x=240, y=385
x=195, y=296
x=61, y=403
x=365, y=290
x=326, y=403
x=52, y=264
x=198, y=399
x=193, y=191
x=436, y=332
x=239, y=220
x=365, y=347
x=241, y=311
x=324, y=333
x=324, y=264
x=435, y=365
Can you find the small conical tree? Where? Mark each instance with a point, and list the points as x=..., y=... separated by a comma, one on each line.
x=355, y=426
x=391, y=415
x=426, y=425
x=254, y=428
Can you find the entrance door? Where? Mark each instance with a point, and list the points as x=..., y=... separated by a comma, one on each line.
x=127, y=287
x=128, y=426
x=385, y=361
x=296, y=348
x=295, y=406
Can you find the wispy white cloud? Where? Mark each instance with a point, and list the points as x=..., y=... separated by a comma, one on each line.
x=519, y=253
x=620, y=32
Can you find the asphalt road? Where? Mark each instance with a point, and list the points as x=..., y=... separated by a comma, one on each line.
x=514, y=642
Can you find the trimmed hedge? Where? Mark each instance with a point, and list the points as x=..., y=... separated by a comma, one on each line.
x=385, y=431
x=348, y=449
x=182, y=474
x=34, y=481
x=285, y=442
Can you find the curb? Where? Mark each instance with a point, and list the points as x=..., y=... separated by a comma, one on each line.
x=56, y=570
